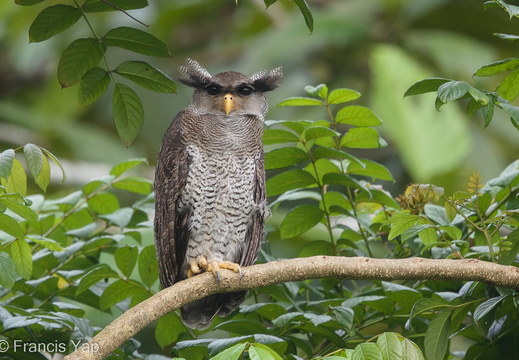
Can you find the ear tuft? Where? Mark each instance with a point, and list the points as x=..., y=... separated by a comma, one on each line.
x=193, y=74
x=267, y=80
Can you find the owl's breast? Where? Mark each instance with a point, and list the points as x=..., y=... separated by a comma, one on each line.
x=219, y=193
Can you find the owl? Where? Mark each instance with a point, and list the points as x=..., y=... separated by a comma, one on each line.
x=210, y=201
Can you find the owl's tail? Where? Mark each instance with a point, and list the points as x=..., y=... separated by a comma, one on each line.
x=199, y=314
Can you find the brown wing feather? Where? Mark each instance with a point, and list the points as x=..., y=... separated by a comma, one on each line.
x=171, y=234
x=254, y=236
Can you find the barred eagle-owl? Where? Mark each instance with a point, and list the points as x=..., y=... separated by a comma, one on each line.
x=210, y=184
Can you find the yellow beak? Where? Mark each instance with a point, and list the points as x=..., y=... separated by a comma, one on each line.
x=228, y=103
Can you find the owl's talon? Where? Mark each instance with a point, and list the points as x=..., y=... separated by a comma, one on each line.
x=215, y=266
x=195, y=268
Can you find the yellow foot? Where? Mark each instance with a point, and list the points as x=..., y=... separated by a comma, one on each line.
x=200, y=264
x=215, y=266
x=196, y=266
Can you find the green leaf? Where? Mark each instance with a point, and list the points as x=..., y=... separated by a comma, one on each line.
x=233, y=353
x=134, y=184
x=436, y=341
x=267, y=349
x=378, y=197
x=400, y=222
x=511, y=110
x=128, y=113
x=147, y=266
x=43, y=179
x=512, y=10
x=300, y=220
x=317, y=132
x=21, y=209
x=124, y=166
x=16, y=182
x=341, y=179
x=508, y=88
x=366, y=351
x=425, y=86
x=104, y=203
x=53, y=20
x=99, y=5
x=320, y=90
x=402, y=295
x=22, y=257
x=390, y=346
x=267, y=2
x=361, y=138
x=371, y=169
x=317, y=247
x=508, y=256
x=117, y=292
x=339, y=96
x=284, y=157
x=93, y=84
x=453, y=90
x=506, y=36
x=7, y=273
x=275, y=136
x=411, y=351
x=300, y=101
x=92, y=277
x=136, y=40
x=147, y=76
x=57, y=162
x=486, y=307
x=307, y=14
x=479, y=96
x=79, y=57
x=27, y=2
x=168, y=329
x=345, y=317
x=6, y=163
x=120, y=217
x=289, y=180
x=45, y=242
x=357, y=116
x=497, y=67
x=11, y=226
x=34, y=158
x=323, y=152
x=256, y=353
x=126, y=258
x=488, y=113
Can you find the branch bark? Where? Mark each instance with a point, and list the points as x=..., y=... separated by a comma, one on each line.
x=277, y=272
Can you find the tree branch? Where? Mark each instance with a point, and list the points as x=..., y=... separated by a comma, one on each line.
x=277, y=272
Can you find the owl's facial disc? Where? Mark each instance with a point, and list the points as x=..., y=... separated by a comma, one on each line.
x=228, y=103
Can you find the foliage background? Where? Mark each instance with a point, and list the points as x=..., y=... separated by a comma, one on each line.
x=376, y=47
x=379, y=48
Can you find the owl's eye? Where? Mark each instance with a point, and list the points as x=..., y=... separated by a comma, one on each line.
x=245, y=91
x=213, y=90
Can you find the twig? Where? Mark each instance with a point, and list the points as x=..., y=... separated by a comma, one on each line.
x=277, y=272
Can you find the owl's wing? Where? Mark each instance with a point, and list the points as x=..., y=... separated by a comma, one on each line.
x=171, y=232
x=254, y=236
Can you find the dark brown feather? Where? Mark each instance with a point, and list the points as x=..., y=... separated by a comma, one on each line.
x=170, y=178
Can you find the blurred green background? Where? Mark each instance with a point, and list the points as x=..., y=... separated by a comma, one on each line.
x=377, y=47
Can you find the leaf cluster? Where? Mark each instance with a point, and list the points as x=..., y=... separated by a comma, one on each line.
x=506, y=92
x=53, y=254
x=80, y=61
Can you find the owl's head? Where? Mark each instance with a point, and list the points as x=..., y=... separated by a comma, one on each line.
x=229, y=93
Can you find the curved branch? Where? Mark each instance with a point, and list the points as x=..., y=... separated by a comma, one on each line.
x=359, y=268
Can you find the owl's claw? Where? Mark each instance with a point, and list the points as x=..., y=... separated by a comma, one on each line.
x=215, y=266
x=201, y=264
x=195, y=268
